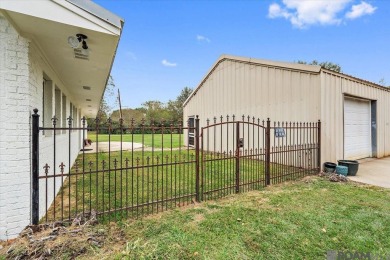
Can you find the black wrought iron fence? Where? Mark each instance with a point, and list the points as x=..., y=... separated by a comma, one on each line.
x=128, y=169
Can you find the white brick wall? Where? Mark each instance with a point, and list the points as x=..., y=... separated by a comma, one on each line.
x=14, y=132
x=21, y=76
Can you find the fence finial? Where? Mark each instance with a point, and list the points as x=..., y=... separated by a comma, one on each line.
x=70, y=119
x=54, y=120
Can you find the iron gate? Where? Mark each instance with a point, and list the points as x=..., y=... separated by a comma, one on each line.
x=138, y=168
x=247, y=154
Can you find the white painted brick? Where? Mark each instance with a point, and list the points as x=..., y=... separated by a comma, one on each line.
x=21, y=74
x=11, y=53
x=14, y=139
x=11, y=65
x=22, y=66
x=11, y=77
x=22, y=54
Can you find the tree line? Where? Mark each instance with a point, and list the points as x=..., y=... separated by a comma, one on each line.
x=151, y=112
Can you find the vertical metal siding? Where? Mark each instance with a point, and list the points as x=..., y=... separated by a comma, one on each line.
x=289, y=95
x=257, y=90
x=333, y=89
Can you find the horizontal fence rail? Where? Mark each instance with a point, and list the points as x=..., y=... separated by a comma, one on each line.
x=122, y=169
x=248, y=153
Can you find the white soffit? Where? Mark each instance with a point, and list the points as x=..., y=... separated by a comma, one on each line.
x=61, y=12
x=50, y=34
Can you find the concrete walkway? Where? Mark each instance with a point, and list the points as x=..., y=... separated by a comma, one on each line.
x=113, y=146
x=126, y=146
x=374, y=171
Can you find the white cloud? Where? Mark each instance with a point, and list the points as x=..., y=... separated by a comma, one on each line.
x=303, y=13
x=202, y=38
x=276, y=11
x=359, y=10
x=131, y=55
x=168, y=64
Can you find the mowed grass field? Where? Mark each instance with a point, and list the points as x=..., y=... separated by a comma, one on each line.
x=295, y=220
x=147, y=182
x=149, y=140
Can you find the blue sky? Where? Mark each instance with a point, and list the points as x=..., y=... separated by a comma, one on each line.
x=167, y=45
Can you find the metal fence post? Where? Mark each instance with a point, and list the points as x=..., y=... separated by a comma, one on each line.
x=268, y=153
x=35, y=168
x=319, y=145
x=197, y=196
x=238, y=157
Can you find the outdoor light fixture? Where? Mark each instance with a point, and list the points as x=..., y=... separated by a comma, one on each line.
x=85, y=46
x=74, y=41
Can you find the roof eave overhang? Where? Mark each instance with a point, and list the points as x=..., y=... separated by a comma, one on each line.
x=70, y=18
x=62, y=12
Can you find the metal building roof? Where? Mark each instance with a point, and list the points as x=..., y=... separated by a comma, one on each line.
x=277, y=64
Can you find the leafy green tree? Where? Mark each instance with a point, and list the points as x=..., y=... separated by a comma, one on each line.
x=175, y=107
x=184, y=94
x=156, y=111
x=129, y=114
x=151, y=111
x=326, y=65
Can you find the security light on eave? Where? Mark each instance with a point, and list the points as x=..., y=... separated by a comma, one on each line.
x=74, y=41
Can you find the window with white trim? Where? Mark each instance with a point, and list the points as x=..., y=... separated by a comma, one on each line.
x=47, y=104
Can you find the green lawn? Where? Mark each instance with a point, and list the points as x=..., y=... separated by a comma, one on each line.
x=156, y=181
x=292, y=221
x=150, y=140
x=295, y=220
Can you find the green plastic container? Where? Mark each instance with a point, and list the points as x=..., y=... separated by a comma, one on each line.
x=342, y=170
x=353, y=166
x=329, y=167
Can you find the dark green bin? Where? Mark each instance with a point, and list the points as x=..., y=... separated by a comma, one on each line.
x=353, y=166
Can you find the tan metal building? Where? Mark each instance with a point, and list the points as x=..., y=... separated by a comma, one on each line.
x=354, y=113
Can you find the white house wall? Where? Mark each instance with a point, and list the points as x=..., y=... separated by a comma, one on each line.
x=22, y=66
x=333, y=89
x=14, y=131
x=38, y=65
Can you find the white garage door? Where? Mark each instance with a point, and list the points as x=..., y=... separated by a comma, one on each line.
x=357, y=129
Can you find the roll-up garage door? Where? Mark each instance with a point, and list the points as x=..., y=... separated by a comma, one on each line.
x=357, y=129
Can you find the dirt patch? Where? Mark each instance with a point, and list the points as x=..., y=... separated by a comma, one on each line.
x=333, y=177
x=51, y=242
x=310, y=179
x=63, y=240
x=198, y=218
